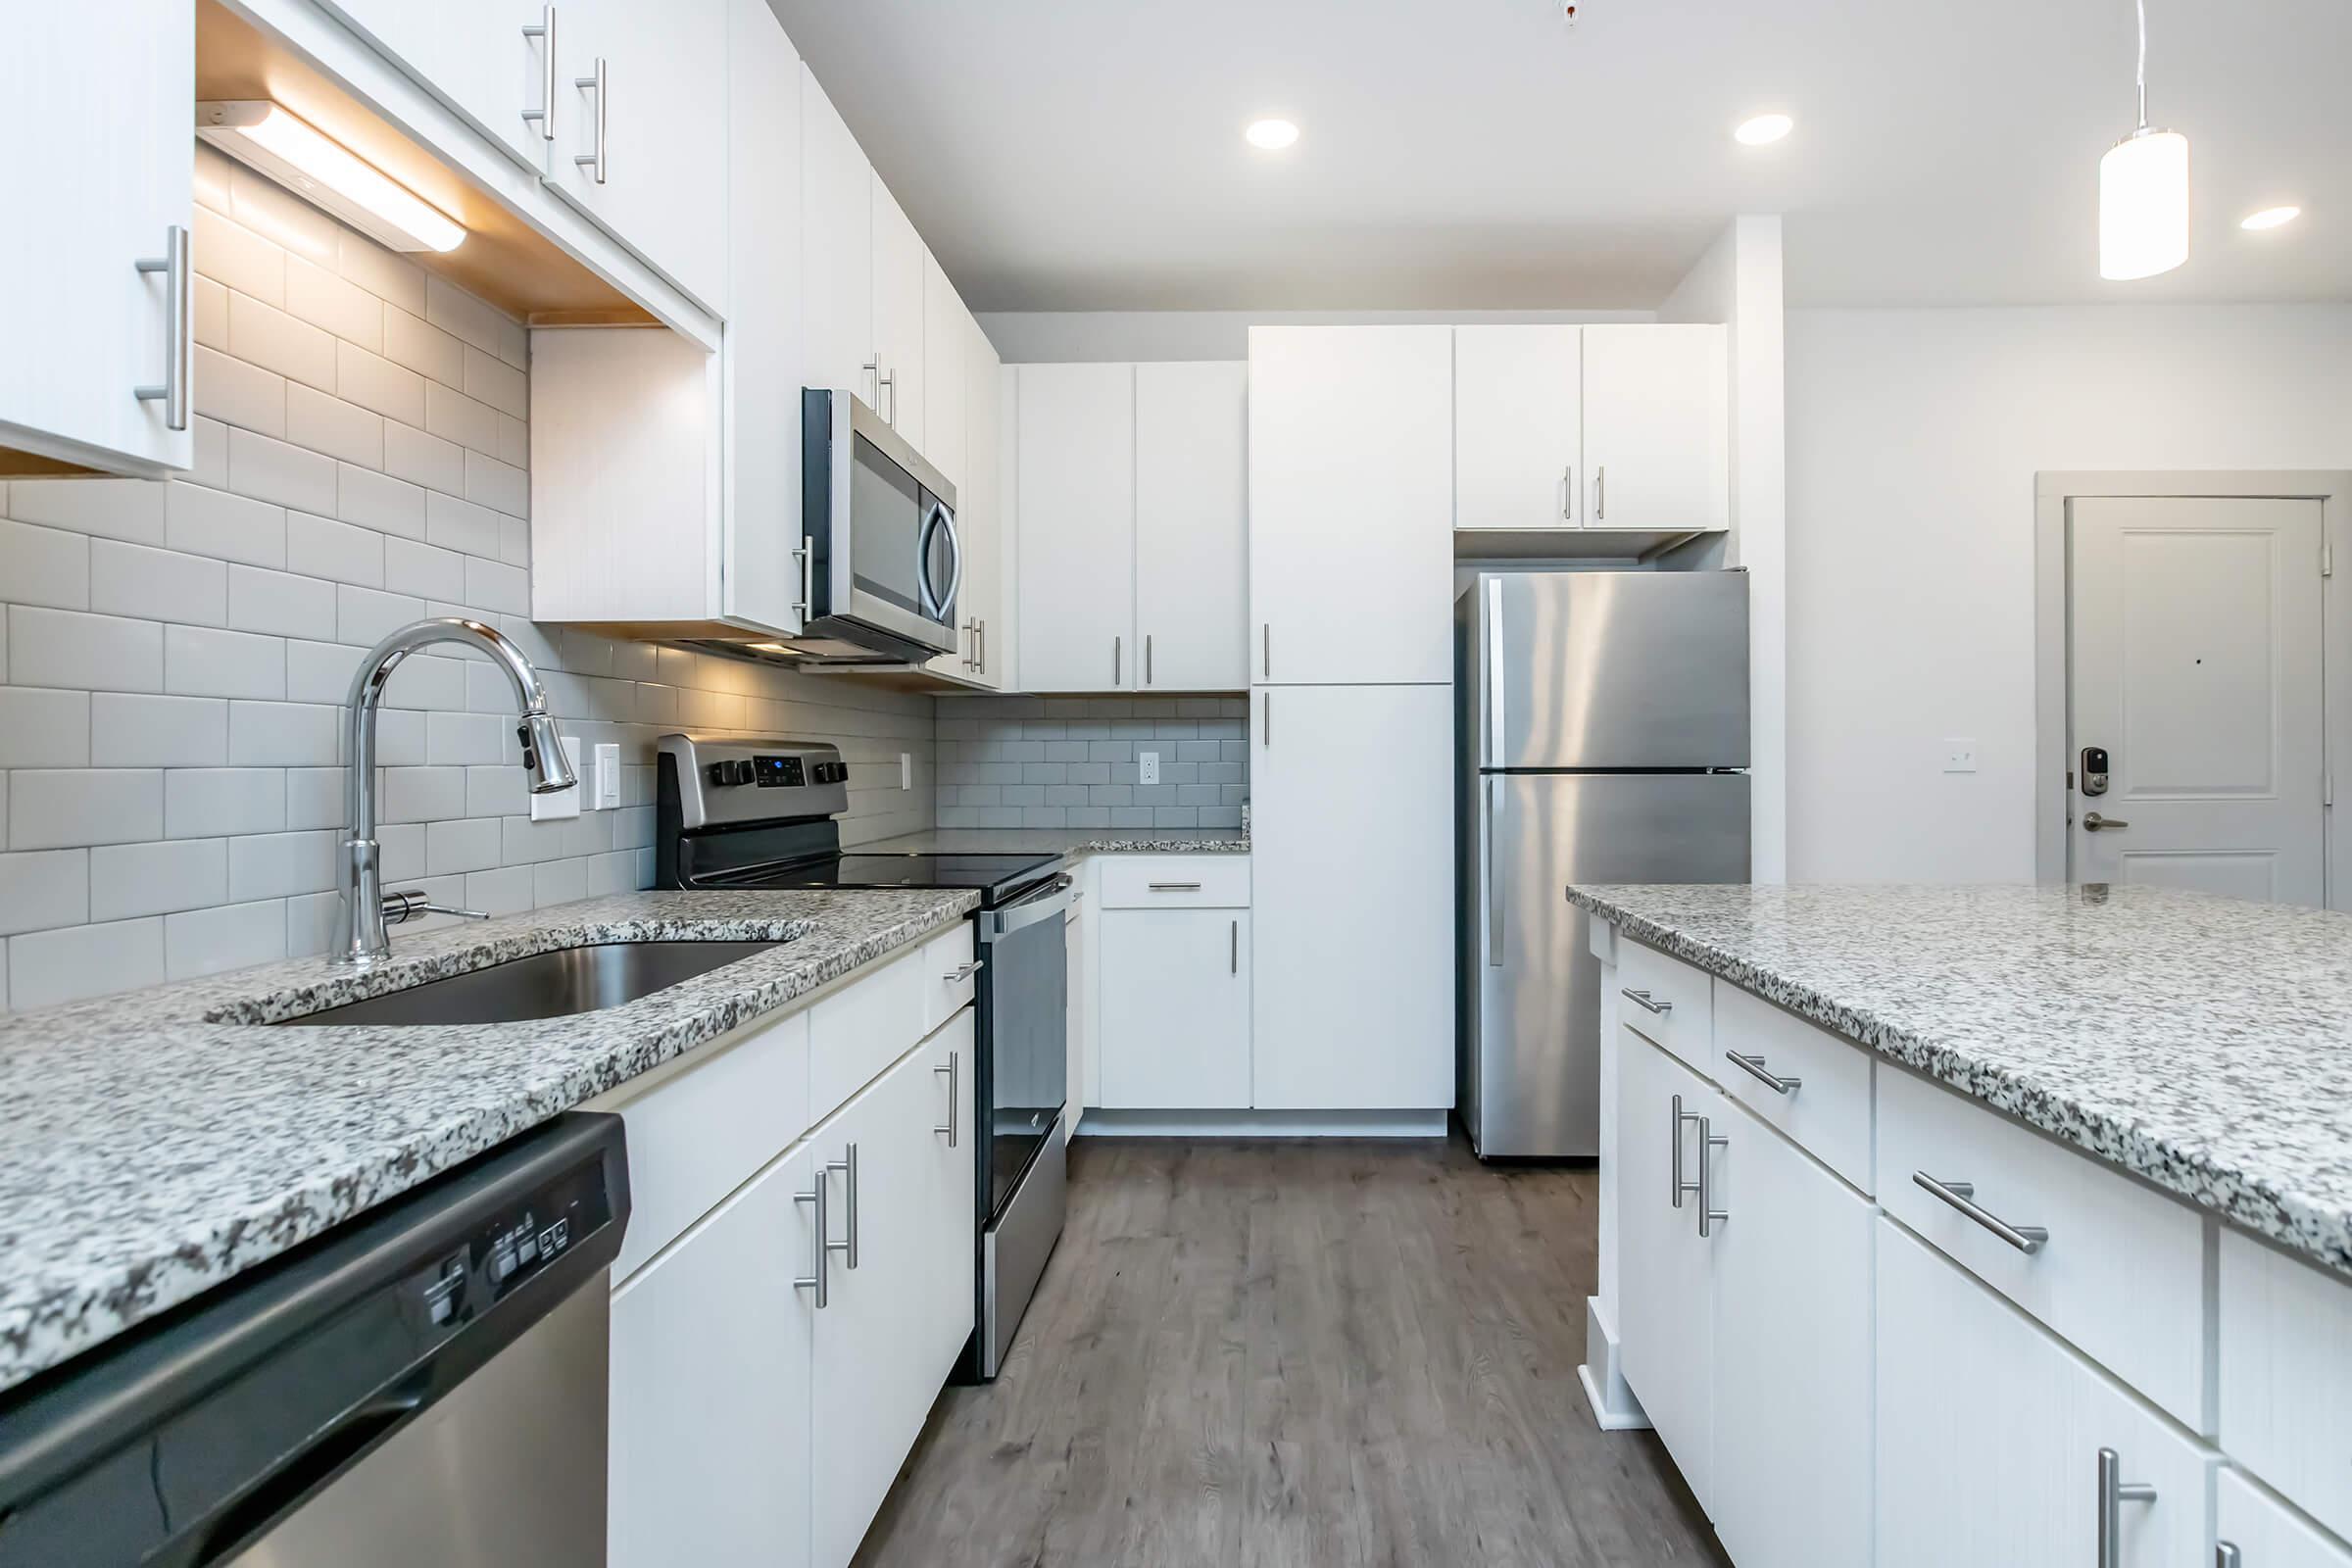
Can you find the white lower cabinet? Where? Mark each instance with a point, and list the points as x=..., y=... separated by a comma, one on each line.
x=1175, y=1009
x=1666, y=1286
x=711, y=1386
x=1998, y=1444
x=2255, y=1529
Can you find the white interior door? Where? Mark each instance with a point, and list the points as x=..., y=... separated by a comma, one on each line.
x=2194, y=659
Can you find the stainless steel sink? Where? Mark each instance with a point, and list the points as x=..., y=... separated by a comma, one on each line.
x=545, y=985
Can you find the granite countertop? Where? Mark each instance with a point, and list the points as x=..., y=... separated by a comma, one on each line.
x=161, y=1141
x=2203, y=1043
x=1071, y=841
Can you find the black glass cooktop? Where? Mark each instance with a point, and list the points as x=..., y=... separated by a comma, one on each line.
x=998, y=877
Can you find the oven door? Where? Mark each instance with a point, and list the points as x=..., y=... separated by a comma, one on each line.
x=886, y=554
x=1024, y=1033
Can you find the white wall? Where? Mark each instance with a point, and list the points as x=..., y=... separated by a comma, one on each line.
x=1055, y=337
x=1914, y=437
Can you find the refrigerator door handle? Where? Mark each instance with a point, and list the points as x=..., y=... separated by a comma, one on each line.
x=1493, y=882
x=1495, y=758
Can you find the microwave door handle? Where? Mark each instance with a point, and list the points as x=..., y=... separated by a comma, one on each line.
x=932, y=608
x=947, y=520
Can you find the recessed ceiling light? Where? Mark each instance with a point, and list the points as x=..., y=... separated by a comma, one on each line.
x=1272, y=135
x=2270, y=217
x=1763, y=129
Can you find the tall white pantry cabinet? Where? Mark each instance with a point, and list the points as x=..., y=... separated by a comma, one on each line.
x=1351, y=718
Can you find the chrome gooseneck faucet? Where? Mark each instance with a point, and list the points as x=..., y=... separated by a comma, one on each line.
x=367, y=909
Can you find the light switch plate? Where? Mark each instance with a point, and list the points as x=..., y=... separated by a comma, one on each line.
x=1147, y=768
x=1960, y=754
x=562, y=803
x=608, y=776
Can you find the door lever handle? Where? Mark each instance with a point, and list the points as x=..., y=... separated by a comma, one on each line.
x=2093, y=822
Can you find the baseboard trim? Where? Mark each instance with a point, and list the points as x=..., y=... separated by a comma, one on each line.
x=1614, y=1407
x=1098, y=1122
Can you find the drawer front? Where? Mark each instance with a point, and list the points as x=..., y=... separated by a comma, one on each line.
x=699, y=1135
x=1176, y=882
x=951, y=978
x=1822, y=1097
x=2263, y=1533
x=2121, y=1271
x=2286, y=1377
x=1667, y=1001
x=854, y=1033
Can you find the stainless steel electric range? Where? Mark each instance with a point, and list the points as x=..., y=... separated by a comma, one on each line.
x=763, y=813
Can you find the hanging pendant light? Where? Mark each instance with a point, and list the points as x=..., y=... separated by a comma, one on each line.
x=2143, y=193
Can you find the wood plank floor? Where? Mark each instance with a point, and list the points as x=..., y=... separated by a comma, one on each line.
x=1314, y=1353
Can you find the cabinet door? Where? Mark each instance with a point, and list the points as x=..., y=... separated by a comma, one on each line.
x=946, y=336
x=1077, y=521
x=987, y=551
x=1792, y=1352
x=1351, y=504
x=837, y=251
x=1518, y=425
x=943, y=1276
x=474, y=56
x=711, y=1386
x=1657, y=428
x=1082, y=1088
x=899, y=260
x=2264, y=1532
x=759, y=580
x=1665, y=1280
x=657, y=179
x=101, y=167
x=1192, y=546
x=1175, y=1009
x=1352, y=898
x=1988, y=1433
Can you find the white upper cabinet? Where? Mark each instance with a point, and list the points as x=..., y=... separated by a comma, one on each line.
x=1518, y=427
x=836, y=250
x=1657, y=429
x=899, y=262
x=651, y=123
x=1076, y=479
x=945, y=337
x=1192, y=549
x=1350, y=505
x=982, y=603
x=100, y=179
x=474, y=56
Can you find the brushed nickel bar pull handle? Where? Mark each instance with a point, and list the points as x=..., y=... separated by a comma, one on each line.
x=1265, y=657
x=1494, y=900
x=873, y=367
x=2225, y=1555
x=595, y=159
x=963, y=971
x=174, y=264
x=2114, y=1491
x=981, y=643
x=954, y=1093
x=1175, y=887
x=848, y=1168
x=1682, y=1188
x=545, y=114
x=1642, y=999
x=1709, y=1216
x=1233, y=960
x=1147, y=658
x=807, y=557
x=1601, y=493
x=2027, y=1238
x=1116, y=648
x=817, y=1246
x=1755, y=1067
x=1568, y=493
x=1268, y=741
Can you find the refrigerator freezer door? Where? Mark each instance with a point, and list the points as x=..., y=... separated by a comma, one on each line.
x=1610, y=670
x=1531, y=1085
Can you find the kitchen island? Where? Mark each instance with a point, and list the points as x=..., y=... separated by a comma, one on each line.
x=1972, y=1224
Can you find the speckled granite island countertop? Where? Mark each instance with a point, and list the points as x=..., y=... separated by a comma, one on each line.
x=2203, y=1043
x=155, y=1144
x=1071, y=841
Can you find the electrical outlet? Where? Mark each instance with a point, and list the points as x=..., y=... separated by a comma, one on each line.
x=1147, y=767
x=906, y=771
x=562, y=803
x=608, y=776
x=1960, y=754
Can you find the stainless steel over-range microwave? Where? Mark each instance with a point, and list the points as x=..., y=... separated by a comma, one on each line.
x=883, y=563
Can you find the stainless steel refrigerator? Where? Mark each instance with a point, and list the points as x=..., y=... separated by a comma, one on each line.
x=1602, y=727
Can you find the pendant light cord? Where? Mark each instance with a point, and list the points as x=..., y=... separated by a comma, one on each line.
x=2141, y=77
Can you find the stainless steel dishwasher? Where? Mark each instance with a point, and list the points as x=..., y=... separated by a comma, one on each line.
x=424, y=1384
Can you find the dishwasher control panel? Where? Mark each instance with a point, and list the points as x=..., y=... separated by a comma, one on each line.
x=509, y=1251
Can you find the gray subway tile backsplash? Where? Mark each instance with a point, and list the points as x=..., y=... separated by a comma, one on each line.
x=1072, y=762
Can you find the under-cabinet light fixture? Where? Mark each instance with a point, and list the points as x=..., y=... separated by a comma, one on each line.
x=264, y=135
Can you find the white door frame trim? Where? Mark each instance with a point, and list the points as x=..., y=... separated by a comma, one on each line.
x=2052, y=490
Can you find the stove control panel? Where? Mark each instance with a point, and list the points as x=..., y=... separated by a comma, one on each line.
x=723, y=780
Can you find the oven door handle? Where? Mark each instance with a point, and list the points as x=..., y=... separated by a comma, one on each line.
x=1051, y=902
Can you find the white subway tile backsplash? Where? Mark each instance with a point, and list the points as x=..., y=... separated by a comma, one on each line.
x=280, y=604
x=112, y=509
x=238, y=394
x=513, y=441
x=302, y=735
x=46, y=967
x=409, y=341
x=559, y=882
x=237, y=257
x=514, y=542
x=210, y=300
x=279, y=471
x=130, y=730
x=91, y=652
x=492, y=586
x=337, y=429
x=222, y=801
x=424, y=571
x=201, y=661
x=495, y=792
x=319, y=673
x=327, y=301
x=376, y=383
x=454, y=417
x=274, y=866
x=413, y=455
x=427, y=681
x=44, y=566
x=458, y=525
x=378, y=501
x=128, y=580
x=134, y=879
x=462, y=844
x=264, y=335
x=502, y=892
x=340, y=552
x=211, y=467
x=315, y=797
x=311, y=924
x=400, y=733
x=463, y=739
x=60, y=807
x=221, y=526
x=460, y=314
x=497, y=485
x=490, y=379
x=232, y=936
x=43, y=728
x=394, y=280
x=46, y=888
x=423, y=794
x=364, y=615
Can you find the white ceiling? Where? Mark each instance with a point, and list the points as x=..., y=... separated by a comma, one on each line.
x=1087, y=154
